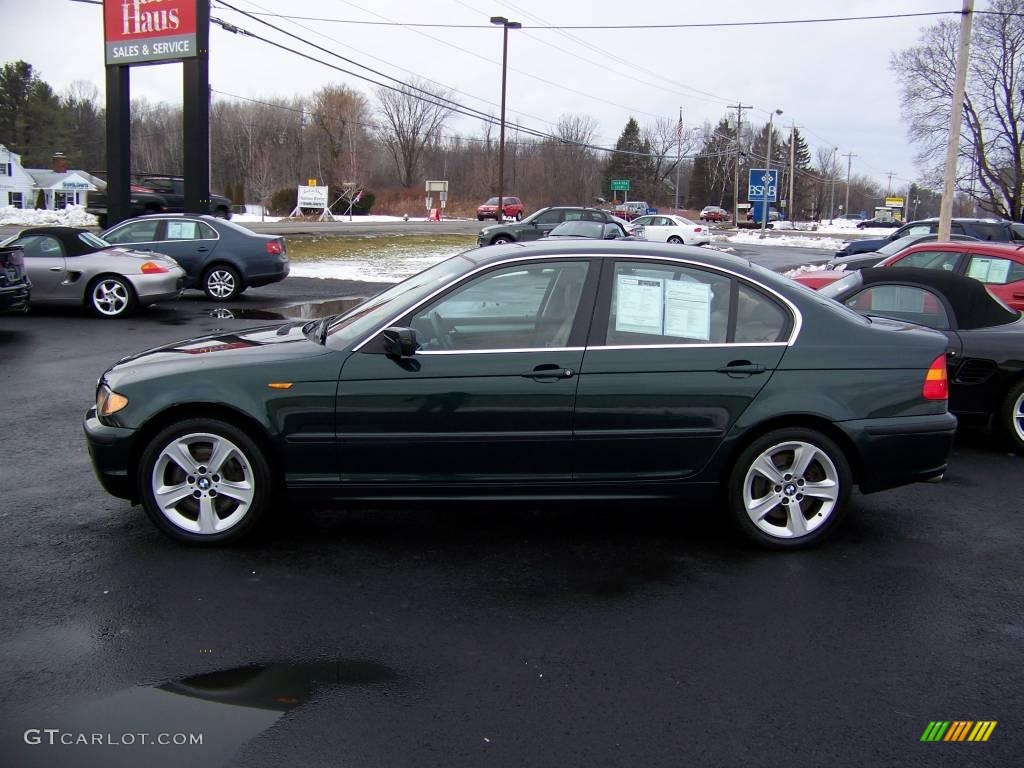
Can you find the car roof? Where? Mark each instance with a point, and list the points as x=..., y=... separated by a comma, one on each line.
x=68, y=236
x=607, y=249
x=970, y=301
x=1006, y=250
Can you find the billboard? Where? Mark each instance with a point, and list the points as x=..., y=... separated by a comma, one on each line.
x=758, y=179
x=148, y=31
x=312, y=197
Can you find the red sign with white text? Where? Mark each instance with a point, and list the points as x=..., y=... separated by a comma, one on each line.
x=148, y=31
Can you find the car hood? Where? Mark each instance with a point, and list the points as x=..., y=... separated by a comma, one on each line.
x=252, y=346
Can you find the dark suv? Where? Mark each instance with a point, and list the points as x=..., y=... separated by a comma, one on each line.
x=539, y=224
x=996, y=230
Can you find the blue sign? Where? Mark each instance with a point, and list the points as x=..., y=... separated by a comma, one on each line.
x=651, y=211
x=758, y=180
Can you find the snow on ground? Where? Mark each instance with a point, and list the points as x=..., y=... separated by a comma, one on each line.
x=803, y=270
x=72, y=216
x=845, y=227
x=797, y=241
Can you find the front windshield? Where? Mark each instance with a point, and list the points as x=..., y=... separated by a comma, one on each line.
x=394, y=302
x=92, y=240
x=898, y=245
x=491, y=201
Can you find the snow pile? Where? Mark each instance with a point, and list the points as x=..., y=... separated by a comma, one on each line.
x=846, y=227
x=390, y=265
x=803, y=270
x=72, y=216
x=796, y=241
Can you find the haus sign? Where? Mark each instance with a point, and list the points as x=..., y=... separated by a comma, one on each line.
x=147, y=31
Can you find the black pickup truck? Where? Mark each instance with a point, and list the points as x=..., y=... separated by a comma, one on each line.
x=156, y=194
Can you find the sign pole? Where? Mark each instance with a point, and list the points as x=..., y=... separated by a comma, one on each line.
x=119, y=129
x=196, y=116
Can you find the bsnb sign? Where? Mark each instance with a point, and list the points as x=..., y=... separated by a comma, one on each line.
x=756, y=184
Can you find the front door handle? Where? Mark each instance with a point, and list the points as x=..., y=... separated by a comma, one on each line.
x=550, y=372
x=202, y=249
x=741, y=368
x=56, y=269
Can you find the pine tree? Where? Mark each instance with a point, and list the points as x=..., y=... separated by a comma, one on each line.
x=631, y=163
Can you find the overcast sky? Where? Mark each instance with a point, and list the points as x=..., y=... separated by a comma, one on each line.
x=832, y=79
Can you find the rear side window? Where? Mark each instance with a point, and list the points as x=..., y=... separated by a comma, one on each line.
x=136, y=232
x=550, y=217
x=993, y=231
x=946, y=260
x=902, y=302
x=758, y=318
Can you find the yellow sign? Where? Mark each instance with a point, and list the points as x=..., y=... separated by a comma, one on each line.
x=312, y=183
x=894, y=202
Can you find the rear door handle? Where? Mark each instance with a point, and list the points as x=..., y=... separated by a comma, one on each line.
x=56, y=269
x=550, y=372
x=202, y=249
x=741, y=368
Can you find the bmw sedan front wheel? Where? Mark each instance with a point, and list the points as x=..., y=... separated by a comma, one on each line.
x=789, y=489
x=205, y=482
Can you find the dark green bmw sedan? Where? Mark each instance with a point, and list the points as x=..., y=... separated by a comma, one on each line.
x=555, y=369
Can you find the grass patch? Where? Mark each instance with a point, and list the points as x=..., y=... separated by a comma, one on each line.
x=373, y=247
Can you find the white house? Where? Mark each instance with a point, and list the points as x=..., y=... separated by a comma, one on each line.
x=17, y=187
x=61, y=187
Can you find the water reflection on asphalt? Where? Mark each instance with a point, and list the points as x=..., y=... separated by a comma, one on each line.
x=310, y=310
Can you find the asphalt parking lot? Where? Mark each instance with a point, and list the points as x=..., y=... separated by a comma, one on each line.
x=468, y=634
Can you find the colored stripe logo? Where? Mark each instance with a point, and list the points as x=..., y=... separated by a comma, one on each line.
x=958, y=730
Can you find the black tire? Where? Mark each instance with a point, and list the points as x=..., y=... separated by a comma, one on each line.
x=249, y=465
x=222, y=283
x=502, y=240
x=110, y=297
x=222, y=213
x=779, y=527
x=480, y=218
x=519, y=216
x=676, y=240
x=1011, y=417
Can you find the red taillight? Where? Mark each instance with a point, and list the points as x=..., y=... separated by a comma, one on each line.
x=152, y=268
x=936, y=381
x=274, y=247
x=696, y=229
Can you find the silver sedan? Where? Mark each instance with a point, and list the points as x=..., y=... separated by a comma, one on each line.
x=71, y=266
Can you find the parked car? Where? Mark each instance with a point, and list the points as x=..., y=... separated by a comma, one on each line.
x=575, y=368
x=596, y=230
x=538, y=224
x=141, y=201
x=879, y=223
x=861, y=260
x=714, y=213
x=673, y=229
x=980, y=229
x=71, y=266
x=172, y=189
x=631, y=209
x=512, y=206
x=15, y=287
x=850, y=217
x=985, y=337
x=219, y=257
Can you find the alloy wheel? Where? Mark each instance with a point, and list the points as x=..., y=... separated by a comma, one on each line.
x=220, y=283
x=203, y=483
x=791, y=489
x=110, y=297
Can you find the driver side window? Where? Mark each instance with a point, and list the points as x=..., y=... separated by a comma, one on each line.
x=522, y=307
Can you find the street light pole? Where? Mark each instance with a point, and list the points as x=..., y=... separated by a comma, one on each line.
x=506, y=26
x=767, y=176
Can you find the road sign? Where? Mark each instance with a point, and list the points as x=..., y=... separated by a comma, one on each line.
x=620, y=185
x=757, y=181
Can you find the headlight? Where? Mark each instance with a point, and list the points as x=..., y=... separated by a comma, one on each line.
x=109, y=402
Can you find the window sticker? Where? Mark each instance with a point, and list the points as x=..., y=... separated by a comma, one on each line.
x=639, y=304
x=989, y=270
x=181, y=230
x=688, y=310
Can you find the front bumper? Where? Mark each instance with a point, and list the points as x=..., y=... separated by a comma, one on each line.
x=161, y=287
x=15, y=298
x=111, y=452
x=901, y=450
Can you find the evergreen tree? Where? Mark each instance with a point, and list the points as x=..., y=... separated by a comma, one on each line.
x=712, y=180
x=31, y=121
x=635, y=166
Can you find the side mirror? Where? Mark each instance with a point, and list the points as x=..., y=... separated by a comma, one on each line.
x=400, y=342
x=611, y=232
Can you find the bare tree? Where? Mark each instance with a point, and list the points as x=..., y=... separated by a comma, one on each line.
x=666, y=144
x=991, y=154
x=340, y=116
x=410, y=120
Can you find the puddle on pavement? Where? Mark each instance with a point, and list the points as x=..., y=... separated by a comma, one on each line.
x=310, y=310
x=227, y=708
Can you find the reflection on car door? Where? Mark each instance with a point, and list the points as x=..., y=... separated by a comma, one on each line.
x=543, y=224
x=675, y=356
x=47, y=269
x=488, y=398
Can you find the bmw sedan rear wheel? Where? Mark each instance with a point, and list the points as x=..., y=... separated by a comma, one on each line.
x=111, y=296
x=205, y=482
x=501, y=240
x=222, y=283
x=789, y=489
x=1012, y=417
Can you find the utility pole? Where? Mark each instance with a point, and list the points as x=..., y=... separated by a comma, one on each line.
x=849, y=166
x=888, y=187
x=507, y=25
x=679, y=154
x=767, y=175
x=832, y=173
x=792, y=170
x=955, y=117
x=736, y=181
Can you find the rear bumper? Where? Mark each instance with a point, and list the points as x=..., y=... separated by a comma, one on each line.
x=901, y=450
x=266, y=278
x=159, y=287
x=110, y=449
